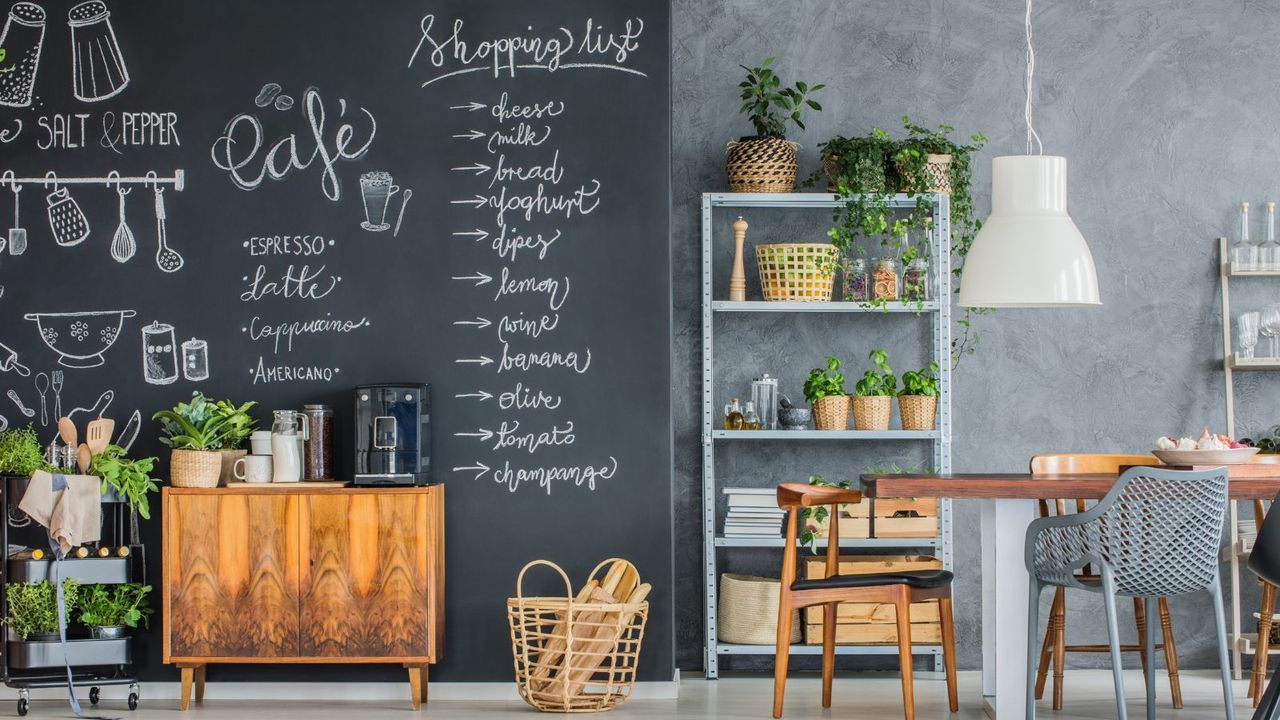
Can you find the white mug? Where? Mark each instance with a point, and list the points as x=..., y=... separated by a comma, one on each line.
x=253, y=468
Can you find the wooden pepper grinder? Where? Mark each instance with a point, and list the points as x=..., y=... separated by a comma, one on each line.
x=738, y=279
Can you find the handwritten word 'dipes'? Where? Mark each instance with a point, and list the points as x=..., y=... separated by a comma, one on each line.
x=239, y=150
x=561, y=49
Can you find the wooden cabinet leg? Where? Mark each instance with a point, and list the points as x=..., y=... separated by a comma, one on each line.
x=184, y=690
x=426, y=669
x=415, y=685
x=199, y=682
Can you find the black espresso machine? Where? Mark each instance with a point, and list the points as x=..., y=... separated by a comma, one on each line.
x=393, y=434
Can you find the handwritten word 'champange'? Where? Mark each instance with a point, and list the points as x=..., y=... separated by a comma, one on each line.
x=544, y=476
x=561, y=49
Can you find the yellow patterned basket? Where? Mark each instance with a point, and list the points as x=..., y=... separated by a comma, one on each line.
x=803, y=272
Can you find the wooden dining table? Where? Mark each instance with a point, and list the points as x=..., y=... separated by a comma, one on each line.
x=1008, y=503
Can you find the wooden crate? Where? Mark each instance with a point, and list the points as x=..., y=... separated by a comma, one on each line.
x=862, y=623
x=815, y=567
x=887, y=507
x=875, y=634
x=869, y=612
x=905, y=518
x=855, y=521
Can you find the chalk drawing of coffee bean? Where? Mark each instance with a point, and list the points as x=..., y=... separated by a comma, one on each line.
x=267, y=94
x=284, y=102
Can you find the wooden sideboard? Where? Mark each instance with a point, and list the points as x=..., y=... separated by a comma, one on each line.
x=303, y=575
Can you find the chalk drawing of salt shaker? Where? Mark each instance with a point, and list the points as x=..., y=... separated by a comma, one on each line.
x=195, y=360
x=21, y=39
x=159, y=354
x=97, y=67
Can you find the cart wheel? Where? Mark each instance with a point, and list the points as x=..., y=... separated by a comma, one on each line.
x=23, y=706
x=93, y=695
x=133, y=701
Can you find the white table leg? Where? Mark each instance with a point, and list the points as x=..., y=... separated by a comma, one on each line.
x=1004, y=606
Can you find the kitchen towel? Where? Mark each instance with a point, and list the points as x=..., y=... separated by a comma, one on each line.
x=69, y=506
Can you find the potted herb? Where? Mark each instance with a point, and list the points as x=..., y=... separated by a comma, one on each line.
x=20, y=453
x=238, y=425
x=873, y=394
x=194, y=431
x=108, y=611
x=824, y=389
x=918, y=401
x=766, y=161
x=33, y=608
x=130, y=478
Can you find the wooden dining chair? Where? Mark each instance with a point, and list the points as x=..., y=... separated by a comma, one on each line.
x=1266, y=609
x=897, y=588
x=1055, y=646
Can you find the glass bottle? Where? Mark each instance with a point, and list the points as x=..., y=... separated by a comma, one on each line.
x=855, y=283
x=1244, y=254
x=884, y=279
x=1269, y=251
x=915, y=279
x=733, y=415
x=750, y=420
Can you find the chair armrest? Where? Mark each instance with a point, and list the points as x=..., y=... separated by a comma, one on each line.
x=1058, y=546
x=800, y=495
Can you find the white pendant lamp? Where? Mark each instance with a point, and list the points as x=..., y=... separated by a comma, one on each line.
x=1029, y=253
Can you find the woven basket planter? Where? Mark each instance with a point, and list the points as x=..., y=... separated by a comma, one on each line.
x=195, y=468
x=872, y=412
x=761, y=165
x=938, y=168
x=748, y=611
x=803, y=272
x=831, y=169
x=831, y=413
x=918, y=412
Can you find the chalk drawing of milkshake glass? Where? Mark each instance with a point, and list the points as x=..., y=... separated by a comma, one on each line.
x=377, y=189
x=21, y=39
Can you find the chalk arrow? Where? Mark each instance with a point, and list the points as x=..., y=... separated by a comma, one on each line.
x=479, y=322
x=478, y=234
x=469, y=107
x=479, y=277
x=482, y=434
x=481, y=361
x=473, y=135
x=477, y=201
x=478, y=168
x=479, y=467
x=480, y=394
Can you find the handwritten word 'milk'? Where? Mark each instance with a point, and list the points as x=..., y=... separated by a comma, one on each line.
x=562, y=49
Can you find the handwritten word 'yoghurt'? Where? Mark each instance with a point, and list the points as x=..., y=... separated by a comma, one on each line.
x=560, y=49
x=582, y=201
x=579, y=475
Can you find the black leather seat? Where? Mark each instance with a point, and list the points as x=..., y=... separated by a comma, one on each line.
x=923, y=579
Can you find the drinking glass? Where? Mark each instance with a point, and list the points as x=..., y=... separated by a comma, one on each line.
x=1269, y=325
x=1247, y=329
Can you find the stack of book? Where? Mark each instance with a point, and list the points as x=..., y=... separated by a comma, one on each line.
x=753, y=512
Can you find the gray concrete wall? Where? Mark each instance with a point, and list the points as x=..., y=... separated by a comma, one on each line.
x=1168, y=112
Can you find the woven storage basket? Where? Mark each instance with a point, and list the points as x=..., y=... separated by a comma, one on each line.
x=748, y=611
x=831, y=413
x=573, y=656
x=761, y=165
x=938, y=168
x=194, y=468
x=872, y=412
x=802, y=272
x=917, y=411
x=831, y=170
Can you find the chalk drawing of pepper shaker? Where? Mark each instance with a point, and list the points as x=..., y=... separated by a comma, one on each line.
x=21, y=39
x=195, y=360
x=97, y=67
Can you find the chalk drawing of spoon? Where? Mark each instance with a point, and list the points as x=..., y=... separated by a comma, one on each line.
x=408, y=193
x=13, y=395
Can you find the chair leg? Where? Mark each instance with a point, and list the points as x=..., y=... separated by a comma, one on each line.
x=1113, y=637
x=1140, y=620
x=828, y=651
x=949, y=652
x=1046, y=650
x=1220, y=619
x=1033, y=626
x=1260, y=654
x=1059, y=621
x=1269, y=709
x=903, y=611
x=1149, y=648
x=1170, y=653
x=782, y=654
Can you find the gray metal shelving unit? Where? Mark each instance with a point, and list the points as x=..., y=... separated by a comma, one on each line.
x=940, y=315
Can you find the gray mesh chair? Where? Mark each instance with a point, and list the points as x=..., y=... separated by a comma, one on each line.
x=1156, y=533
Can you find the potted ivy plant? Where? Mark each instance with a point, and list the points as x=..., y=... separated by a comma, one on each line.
x=194, y=432
x=238, y=425
x=766, y=161
x=873, y=394
x=129, y=478
x=33, y=608
x=824, y=389
x=108, y=611
x=918, y=400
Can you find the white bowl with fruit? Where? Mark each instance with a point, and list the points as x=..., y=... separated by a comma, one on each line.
x=1210, y=449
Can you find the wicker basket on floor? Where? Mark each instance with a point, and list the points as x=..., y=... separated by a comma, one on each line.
x=803, y=272
x=761, y=165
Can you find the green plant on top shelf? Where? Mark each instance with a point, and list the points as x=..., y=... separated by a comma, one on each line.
x=33, y=607
x=20, y=452
x=237, y=425
x=855, y=172
x=118, y=605
x=196, y=425
x=808, y=536
x=921, y=382
x=881, y=380
x=769, y=105
x=824, y=382
x=129, y=477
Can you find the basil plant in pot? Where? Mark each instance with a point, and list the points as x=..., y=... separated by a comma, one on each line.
x=766, y=161
x=107, y=611
x=874, y=393
x=918, y=400
x=20, y=453
x=824, y=389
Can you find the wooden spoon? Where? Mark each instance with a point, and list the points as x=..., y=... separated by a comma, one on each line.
x=84, y=457
x=67, y=431
x=98, y=434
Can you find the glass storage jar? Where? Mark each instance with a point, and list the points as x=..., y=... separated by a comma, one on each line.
x=884, y=279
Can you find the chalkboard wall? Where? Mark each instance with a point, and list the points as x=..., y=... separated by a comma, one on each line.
x=469, y=194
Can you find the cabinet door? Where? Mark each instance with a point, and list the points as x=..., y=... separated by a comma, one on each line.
x=364, y=581
x=231, y=576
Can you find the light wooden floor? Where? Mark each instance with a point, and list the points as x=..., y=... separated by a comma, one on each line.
x=876, y=696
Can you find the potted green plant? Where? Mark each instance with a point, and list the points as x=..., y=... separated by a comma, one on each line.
x=20, y=452
x=873, y=394
x=918, y=400
x=238, y=425
x=766, y=161
x=33, y=608
x=824, y=389
x=130, y=478
x=109, y=610
x=194, y=432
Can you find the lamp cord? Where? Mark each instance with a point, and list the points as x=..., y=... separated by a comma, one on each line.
x=1032, y=135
